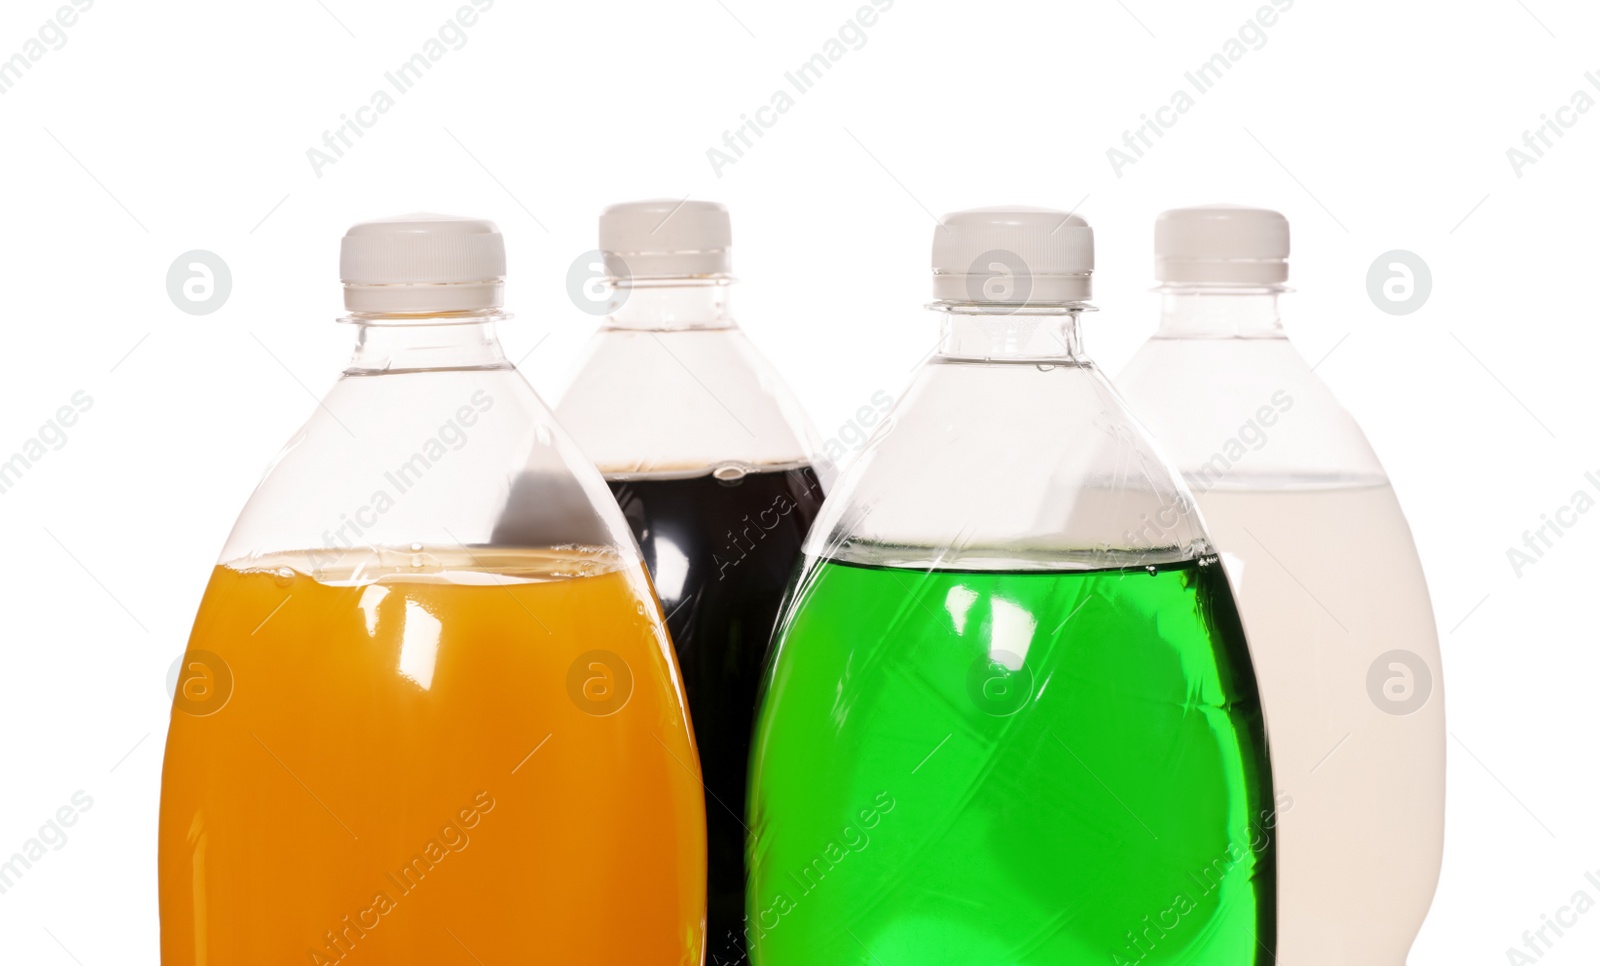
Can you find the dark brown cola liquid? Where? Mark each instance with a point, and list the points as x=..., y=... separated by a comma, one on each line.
x=721, y=553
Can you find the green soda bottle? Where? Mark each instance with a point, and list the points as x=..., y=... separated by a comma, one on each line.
x=1009, y=718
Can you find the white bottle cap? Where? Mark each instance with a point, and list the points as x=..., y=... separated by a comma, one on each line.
x=1012, y=254
x=666, y=238
x=1222, y=245
x=423, y=263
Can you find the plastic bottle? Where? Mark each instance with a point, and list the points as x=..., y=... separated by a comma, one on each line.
x=1330, y=588
x=1009, y=718
x=711, y=460
x=429, y=712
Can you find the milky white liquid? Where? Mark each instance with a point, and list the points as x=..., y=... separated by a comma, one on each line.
x=1327, y=581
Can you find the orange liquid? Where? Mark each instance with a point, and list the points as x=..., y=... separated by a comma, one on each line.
x=419, y=769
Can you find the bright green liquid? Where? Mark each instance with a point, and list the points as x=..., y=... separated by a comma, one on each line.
x=913, y=804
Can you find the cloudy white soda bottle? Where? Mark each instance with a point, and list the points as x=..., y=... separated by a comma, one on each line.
x=1007, y=721
x=429, y=712
x=1329, y=585
x=708, y=455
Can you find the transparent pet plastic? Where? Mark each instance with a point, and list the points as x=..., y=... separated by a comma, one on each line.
x=1010, y=450
x=1010, y=715
x=429, y=710
x=712, y=462
x=671, y=386
x=1336, y=610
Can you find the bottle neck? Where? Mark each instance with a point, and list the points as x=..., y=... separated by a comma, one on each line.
x=990, y=333
x=390, y=343
x=1235, y=313
x=669, y=304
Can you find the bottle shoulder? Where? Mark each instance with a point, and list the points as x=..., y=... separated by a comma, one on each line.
x=447, y=458
x=1246, y=412
x=1006, y=465
x=684, y=401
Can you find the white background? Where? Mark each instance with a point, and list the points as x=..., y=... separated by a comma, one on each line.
x=160, y=128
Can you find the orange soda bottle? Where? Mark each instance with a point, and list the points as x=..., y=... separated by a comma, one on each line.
x=429, y=712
